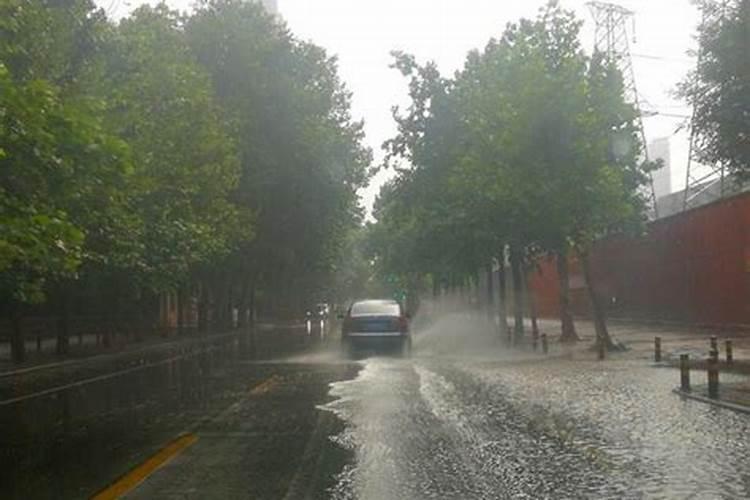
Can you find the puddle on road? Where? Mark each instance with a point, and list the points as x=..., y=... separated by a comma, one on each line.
x=452, y=428
x=624, y=413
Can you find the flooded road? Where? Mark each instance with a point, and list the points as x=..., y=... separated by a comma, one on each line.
x=473, y=427
x=462, y=419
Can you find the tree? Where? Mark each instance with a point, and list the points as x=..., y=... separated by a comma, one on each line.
x=611, y=200
x=161, y=102
x=353, y=272
x=302, y=158
x=59, y=189
x=425, y=207
x=564, y=147
x=213, y=151
x=65, y=173
x=530, y=147
x=56, y=41
x=521, y=96
x=719, y=89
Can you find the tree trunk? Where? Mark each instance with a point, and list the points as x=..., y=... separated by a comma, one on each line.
x=181, y=297
x=477, y=295
x=63, y=323
x=490, y=294
x=17, y=344
x=139, y=316
x=242, y=316
x=252, y=323
x=113, y=310
x=566, y=318
x=230, y=307
x=600, y=323
x=515, y=268
x=531, y=301
x=501, y=296
x=219, y=313
x=202, y=308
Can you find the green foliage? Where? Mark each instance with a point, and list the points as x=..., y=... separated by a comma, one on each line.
x=719, y=90
x=530, y=145
x=161, y=102
x=167, y=149
x=353, y=271
x=301, y=153
x=58, y=186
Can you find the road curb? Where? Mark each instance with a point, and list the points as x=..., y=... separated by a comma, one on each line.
x=733, y=327
x=715, y=402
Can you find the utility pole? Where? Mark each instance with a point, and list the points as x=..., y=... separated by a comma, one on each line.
x=697, y=181
x=611, y=39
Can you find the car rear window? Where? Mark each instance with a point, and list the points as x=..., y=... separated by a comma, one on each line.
x=374, y=307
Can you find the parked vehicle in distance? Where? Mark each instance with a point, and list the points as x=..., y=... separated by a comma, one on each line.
x=323, y=310
x=376, y=325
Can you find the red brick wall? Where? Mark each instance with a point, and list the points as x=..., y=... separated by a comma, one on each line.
x=692, y=267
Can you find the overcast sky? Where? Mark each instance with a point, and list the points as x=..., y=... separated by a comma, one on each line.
x=362, y=34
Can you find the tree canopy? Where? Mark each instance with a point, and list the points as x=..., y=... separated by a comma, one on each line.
x=301, y=154
x=719, y=89
x=530, y=146
x=211, y=150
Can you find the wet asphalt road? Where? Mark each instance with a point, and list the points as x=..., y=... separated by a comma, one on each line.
x=462, y=423
x=441, y=428
x=271, y=442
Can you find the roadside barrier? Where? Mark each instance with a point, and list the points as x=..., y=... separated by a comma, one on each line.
x=712, y=364
x=713, y=375
x=685, y=372
x=730, y=355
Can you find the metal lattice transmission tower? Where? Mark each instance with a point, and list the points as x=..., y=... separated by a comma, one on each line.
x=704, y=178
x=611, y=38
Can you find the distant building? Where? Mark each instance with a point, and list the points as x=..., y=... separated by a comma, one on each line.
x=658, y=149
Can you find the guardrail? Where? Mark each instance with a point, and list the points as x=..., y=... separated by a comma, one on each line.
x=40, y=333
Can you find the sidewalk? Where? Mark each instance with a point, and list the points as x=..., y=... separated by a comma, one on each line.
x=43, y=354
x=31, y=378
x=734, y=379
x=79, y=353
x=41, y=373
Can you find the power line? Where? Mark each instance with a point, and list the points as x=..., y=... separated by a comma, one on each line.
x=698, y=183
x=653, y=113
x=114, y=6
x=664, y=58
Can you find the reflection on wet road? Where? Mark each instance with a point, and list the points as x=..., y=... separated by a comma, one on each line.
x=471, y=428
x=463, y=419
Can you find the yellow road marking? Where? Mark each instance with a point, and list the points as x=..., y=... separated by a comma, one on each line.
x=266, y=386
x=129, y=481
